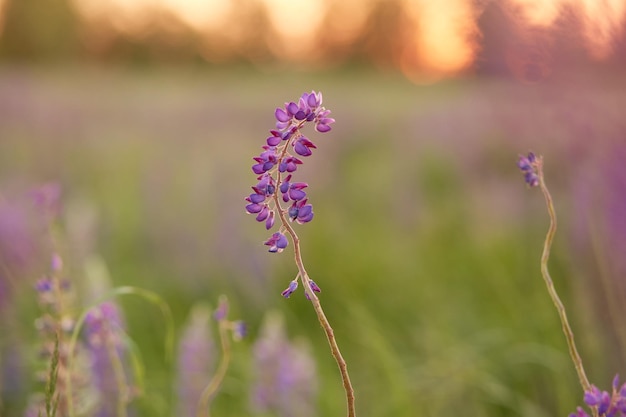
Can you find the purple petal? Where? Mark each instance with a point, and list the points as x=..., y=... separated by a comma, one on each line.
x=305, y=214
x=301, y=149
x=254, y=208
x=282, y=241
x=269, y=223
x=256, y=198
x=312, y=100
x=292, y=108
x=322, y=128
x=314, y=286
x=263, y=214
x=296, y=194
x=273, y=140
x=258, y=168
x=281, y=115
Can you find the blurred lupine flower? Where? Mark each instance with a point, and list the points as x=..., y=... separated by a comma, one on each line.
x=23, y=231
x=55, y=297
x=240, y=329
x=528, y=165
x=607, y=404
x=286, y=380
x=103, y=325
x=196, y=359
x=276, y=159
x=237, y=328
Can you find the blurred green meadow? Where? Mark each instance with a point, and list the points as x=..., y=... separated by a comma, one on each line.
x=426, y=241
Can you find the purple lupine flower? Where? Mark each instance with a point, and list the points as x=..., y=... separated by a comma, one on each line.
x=301, y=212
x=285, y=375
x=289, y=164
x=292, y=191
x=276, y=158
x=47, y=199
x=56, y=324
x=607, y=404
x=600, y=399
x=293, y=286
x=221, y=311
x=303, y=146
x=240, y=329
x=103, y=326
x=265, y=161
x=196, y=360
x=528, y=165
x=23, y=253
x=314, y=286
x=277, y=242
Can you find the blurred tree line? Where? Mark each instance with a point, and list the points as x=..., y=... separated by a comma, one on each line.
x=45, y=31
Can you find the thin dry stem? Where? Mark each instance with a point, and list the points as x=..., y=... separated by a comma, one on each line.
x=567, y=330
x=317, y=306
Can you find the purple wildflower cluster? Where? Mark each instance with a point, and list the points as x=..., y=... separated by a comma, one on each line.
x=528, y=165
x=56, y=297
x=104, y=330
x=285, y=373
x=196, y=359
x=607, y=404
x=277, y=160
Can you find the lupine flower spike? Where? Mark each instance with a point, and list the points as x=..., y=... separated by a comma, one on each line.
x=278, y=196
x=603, y=403
x=532, y=168
x=278, y=159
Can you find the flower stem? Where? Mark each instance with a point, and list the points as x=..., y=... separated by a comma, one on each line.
x=567, y=330
x=317, y=306
x=216, y=381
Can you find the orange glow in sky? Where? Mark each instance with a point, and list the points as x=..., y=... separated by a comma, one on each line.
x=441, y=37
x=438, y=39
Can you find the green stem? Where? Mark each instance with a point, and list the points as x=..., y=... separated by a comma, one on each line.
x=216, y=381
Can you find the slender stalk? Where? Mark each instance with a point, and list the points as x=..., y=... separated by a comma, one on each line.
x=118, y=370
x=317, y=306
x=214, y=384
x=567, y=330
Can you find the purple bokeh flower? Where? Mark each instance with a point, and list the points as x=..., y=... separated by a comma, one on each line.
x=528, y=165
x=285, y=376
x=196, y=359
x=104, y=327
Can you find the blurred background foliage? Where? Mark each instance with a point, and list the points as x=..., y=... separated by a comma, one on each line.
x=426, y=242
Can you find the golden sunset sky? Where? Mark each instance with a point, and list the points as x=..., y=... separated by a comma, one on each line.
x=437, y=39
